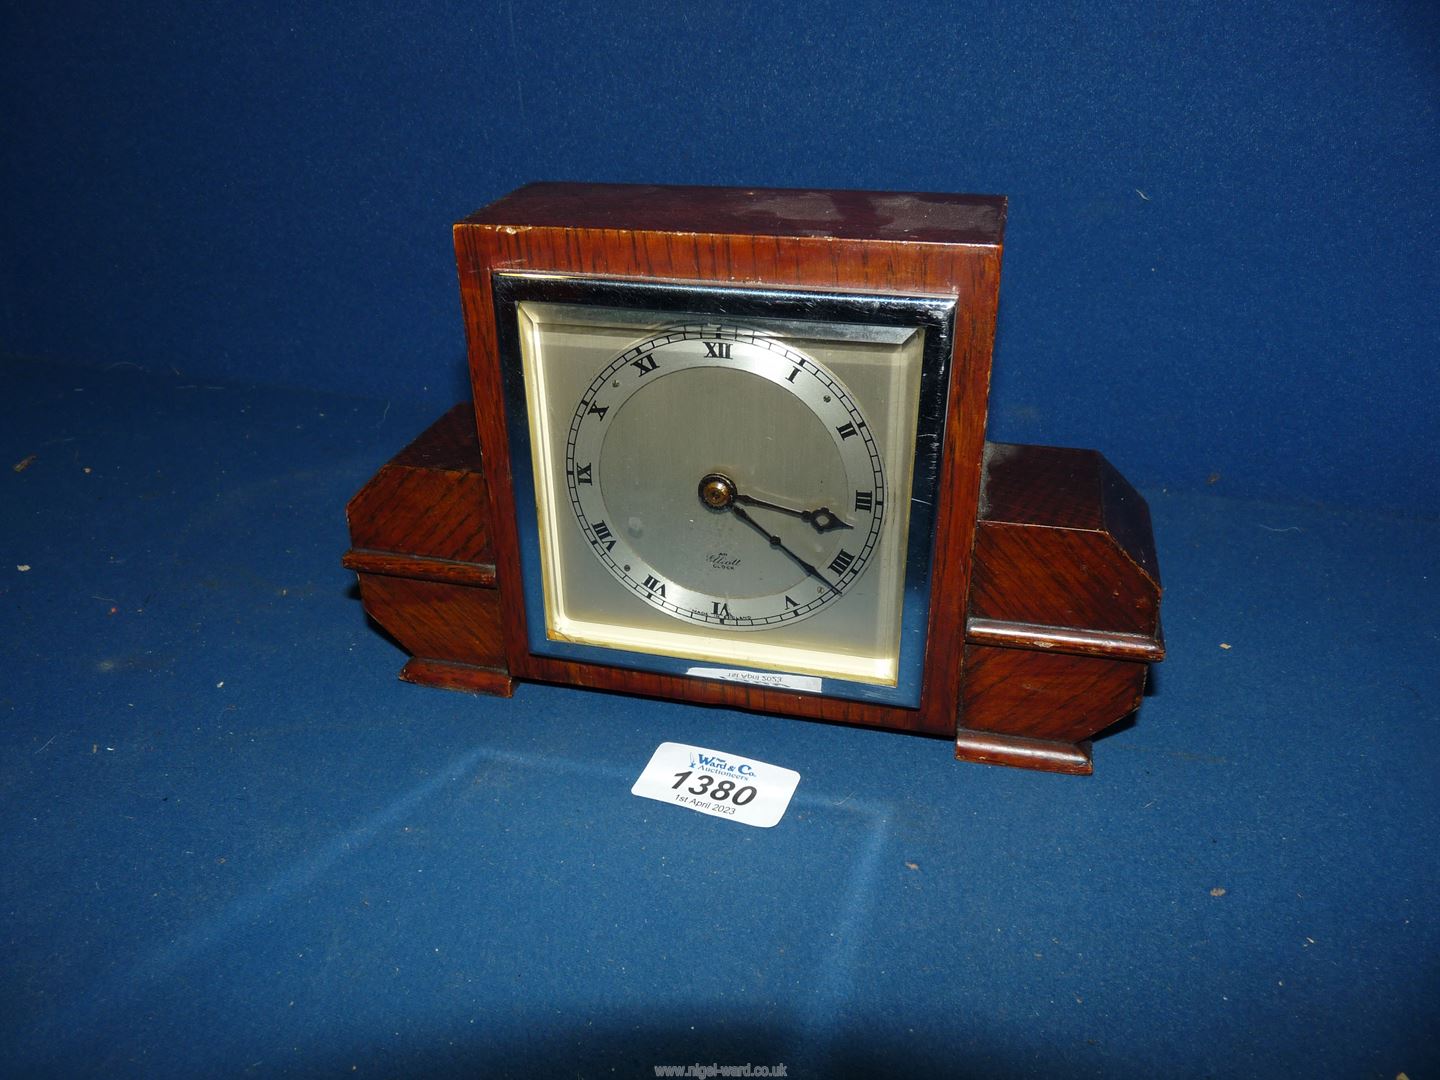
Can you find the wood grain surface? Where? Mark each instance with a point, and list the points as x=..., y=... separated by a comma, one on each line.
x=1032, y=693
x=859, y=241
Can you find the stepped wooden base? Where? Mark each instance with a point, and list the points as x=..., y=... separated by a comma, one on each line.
x=451, y=676
x=1047, y=755
x=1064, y=605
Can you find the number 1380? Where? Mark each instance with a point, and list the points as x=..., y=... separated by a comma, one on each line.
x=705, y=785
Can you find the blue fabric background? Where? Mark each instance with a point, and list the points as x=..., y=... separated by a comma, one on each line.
x=1221, y=265
x=232, y=843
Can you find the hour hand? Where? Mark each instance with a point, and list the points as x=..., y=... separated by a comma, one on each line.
x=822, y=520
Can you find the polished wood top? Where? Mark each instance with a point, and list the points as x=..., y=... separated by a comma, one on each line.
x=908, y=217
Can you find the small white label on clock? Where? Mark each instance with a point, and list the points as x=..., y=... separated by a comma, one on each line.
x=808, y=683
x=721, y=785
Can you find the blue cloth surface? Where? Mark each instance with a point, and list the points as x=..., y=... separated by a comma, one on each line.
x=233, y=843
x=1220, y=257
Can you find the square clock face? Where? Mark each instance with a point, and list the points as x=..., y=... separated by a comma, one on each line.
x=726, y=483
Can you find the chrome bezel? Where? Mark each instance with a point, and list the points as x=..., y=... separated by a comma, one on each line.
x=779, y=309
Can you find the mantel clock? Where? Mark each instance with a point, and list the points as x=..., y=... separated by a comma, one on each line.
x=727, y=446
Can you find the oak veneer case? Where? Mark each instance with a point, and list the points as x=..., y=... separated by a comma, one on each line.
x=1045, y=590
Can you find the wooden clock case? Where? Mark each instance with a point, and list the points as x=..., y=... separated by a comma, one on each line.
x=1045, y=588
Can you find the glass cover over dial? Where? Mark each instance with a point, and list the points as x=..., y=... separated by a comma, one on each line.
x=725, y=477
x=731, y=488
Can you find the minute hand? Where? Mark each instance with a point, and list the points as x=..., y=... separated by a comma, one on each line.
x=776, y=542
x=822, y=520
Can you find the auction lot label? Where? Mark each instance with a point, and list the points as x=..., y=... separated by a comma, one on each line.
x=722, y=785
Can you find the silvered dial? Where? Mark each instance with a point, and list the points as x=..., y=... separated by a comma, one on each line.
x=725, y=477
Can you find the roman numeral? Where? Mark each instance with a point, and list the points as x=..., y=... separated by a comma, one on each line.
x=644, y=364
x=596, y=410
x=720, y=350
x=791, y=376
x=723, y=610
x=603, y=535
x=865, y=500
x=841, y=562
x=846, y=430
x=655, y=585
x=582, y=474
